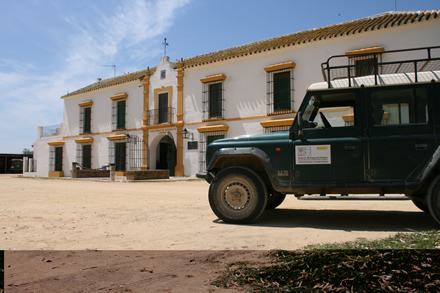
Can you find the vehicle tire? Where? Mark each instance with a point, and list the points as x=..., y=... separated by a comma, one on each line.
x=237, y=195
x=433, y=199
x=274, y=200
x=421, y=205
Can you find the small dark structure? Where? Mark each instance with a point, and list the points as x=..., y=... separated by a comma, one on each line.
x=12, y=163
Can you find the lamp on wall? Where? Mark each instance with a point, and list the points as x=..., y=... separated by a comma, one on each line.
x=186, y=134
x=127, y=138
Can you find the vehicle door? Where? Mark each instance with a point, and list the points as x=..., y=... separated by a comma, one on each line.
x=329, y=147
x=401, y=138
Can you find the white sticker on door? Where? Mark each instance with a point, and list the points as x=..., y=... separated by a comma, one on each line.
x=313, y=155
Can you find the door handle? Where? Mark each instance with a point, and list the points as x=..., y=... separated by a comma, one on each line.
x=350, y=148
x=421, y=146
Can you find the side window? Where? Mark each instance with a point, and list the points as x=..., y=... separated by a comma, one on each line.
x=330, y=110
x=399, y=107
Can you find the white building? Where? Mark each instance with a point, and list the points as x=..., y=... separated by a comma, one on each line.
x=136, y=120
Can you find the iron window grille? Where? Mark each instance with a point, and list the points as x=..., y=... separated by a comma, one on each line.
x=276, y=128
x=136, y=153
x=119, y=113
x=205, y=139
x=85, y=120
x=118, y=154
x=280, y=92
x=161, y=116
x=213, y=100
x=84, y=155
x=56, y=159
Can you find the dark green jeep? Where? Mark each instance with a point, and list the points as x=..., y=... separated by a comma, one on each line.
x=371, y=128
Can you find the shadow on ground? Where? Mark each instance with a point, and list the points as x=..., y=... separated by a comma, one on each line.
x=347, y=220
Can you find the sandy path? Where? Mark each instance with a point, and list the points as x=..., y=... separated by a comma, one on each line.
x=86, y=236
x=72, y=214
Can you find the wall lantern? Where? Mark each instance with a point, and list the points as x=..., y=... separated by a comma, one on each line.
x=127, y=138
x=186, y=134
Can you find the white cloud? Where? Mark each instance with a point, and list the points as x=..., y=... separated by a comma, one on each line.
x=115, y=36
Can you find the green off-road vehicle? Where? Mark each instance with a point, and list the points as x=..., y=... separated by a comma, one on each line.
x=373, y=127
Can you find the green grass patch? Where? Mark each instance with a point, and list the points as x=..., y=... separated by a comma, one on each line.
x=387, y=265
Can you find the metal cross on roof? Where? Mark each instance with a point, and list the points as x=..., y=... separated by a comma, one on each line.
x=165, y=44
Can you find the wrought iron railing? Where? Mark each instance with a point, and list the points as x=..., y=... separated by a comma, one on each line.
x=413, y=60
x=162, y=116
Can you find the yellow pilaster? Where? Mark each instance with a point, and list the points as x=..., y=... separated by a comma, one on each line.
x=146, y=84
x=179, y=170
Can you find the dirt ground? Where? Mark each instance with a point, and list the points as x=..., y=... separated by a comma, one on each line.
x=85, y=235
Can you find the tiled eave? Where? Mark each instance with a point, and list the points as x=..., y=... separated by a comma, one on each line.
x=376, y=22
x=139, y=75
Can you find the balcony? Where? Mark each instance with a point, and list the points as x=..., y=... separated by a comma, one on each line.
x=162, y=116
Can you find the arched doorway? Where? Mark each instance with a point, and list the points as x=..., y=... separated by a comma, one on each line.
x=166, y=155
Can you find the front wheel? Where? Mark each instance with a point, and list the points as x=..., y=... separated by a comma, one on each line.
x=237, y=195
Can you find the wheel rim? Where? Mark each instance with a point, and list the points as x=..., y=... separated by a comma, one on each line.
x=237, y=196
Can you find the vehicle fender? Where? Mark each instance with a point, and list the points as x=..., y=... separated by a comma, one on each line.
x=245, y=151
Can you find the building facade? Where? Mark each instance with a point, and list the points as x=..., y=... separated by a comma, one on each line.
x=164, y=117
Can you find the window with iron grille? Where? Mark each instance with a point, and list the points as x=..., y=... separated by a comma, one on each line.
x=213, y=100
x=136, y=149
x=56, y=159
x=205, y=139
x=86, y=156
x=276, y=128
x=117, y=154
x=118, y=114
x=280, y=91
x=85, y=119
x=365, y=65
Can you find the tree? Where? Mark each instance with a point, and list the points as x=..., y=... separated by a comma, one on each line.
x=27, y=152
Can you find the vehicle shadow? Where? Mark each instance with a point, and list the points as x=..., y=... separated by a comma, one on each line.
x=348, y=220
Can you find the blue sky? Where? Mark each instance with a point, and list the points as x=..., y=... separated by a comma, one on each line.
x=51, y=47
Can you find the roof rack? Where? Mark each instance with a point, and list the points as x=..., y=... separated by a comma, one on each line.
x=353, y=66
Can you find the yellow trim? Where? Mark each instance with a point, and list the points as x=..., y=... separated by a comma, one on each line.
x=279, y=122
x=84, y=140
x=365, y=50
x=119, y=96
x=54, y=143
x=280, y=66
x=212, y=78
x=86, y=103
x=120, y=173
x=213, y=128
x=157, y=91
x=56, y=173
x=117, y=137
x=100, y=133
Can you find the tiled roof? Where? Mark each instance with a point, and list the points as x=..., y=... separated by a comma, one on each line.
x=375, y=22
x=112, y=81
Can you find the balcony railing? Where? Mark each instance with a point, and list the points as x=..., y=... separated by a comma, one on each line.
x=162, y=116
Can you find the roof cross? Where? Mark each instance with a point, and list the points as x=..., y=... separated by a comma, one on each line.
x=165, y=44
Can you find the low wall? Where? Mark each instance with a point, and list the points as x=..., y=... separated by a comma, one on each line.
x=148, y=174
x=90, y=173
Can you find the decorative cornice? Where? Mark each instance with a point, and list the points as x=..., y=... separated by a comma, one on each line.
x=86, y=104
x=119, y=96
x=56, y=143
x=213, y=128
x=212, y=78
x=279, y=122
x=280, y=66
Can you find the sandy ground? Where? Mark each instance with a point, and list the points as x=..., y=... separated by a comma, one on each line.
x=169, y=222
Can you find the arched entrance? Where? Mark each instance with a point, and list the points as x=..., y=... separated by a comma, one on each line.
x=166, y=155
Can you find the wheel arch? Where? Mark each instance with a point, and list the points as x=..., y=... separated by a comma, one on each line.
x=252, y=158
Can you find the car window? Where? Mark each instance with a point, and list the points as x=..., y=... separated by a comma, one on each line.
x=399, y=107
x=332, y=110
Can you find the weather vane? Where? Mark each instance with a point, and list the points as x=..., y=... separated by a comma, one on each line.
x=165, y=44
